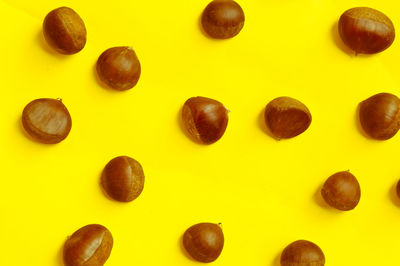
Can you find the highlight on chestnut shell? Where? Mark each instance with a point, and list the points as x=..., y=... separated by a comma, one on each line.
x=123, y=179
x=204, y=119
x=204, y=241
x=64, y=31
x=380, y=116
x=222, y=19
x=119, y=68
x=287, y=117
x=366, y=30
x=342, y=191
x=47, y=120
x=90, y=245
x=302, y=253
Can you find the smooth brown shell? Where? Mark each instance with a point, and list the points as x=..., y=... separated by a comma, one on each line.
x=287, y=117
x=64, y=30
x=205, y=119
x=204, y=241
x=89, y=246
x=366, y=30
x=222, y=19
x=302, y=253
x=47, y=120
x=123, y=179
x=119, y=68
x=380, y=116
x=342, y=191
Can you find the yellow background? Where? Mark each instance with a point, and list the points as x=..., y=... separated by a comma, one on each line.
x=264, y=192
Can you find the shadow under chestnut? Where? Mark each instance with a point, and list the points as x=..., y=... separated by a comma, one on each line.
x=393, y=195
x=338, y=40
x=342, y=46
x=358, y=123
x=46, y=47
x=26, y=135
x=183, y=128
x=101, y=83
x=322, y=203
x=60, y=256
x=277, y=260
x=263, y=126
x=183, y=250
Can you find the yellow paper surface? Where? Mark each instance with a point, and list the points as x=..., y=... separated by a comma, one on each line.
x=264, y=192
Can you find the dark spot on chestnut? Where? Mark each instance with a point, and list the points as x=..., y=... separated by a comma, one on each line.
x=342, y=191
x=119, y=68
x=64, y=30
x=302, y=253
x=366, y=30
x=123, y=179
x=89, y=246
x=287, y=117
x=380, y=116
x=205, y=119
x=222, y=19
x=204, y=241
x=46, y=120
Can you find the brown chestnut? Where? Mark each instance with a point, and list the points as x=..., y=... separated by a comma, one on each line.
x=89, y=246
x=204, y=241
x=46, y=120
x=302, y=253
x=119, y=68
x=205, y=119
x=380, y=116
x=342, y=191
x=123, y=179
x=287, y=117
x=222, y=19
x=64, y=30
x=366, y=30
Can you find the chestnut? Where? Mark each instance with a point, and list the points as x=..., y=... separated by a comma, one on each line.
x=90, y=245
x=64, y=30
x=204, y=241
x=205, y=119
x=342, y=191
x=302, y=253
x=287, y=117
x=366, y=30
x=46, y=120
x=222, y=19
x=380, y=116
x=119, y=68
x=123, y=179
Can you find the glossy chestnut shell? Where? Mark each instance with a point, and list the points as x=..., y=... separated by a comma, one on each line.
x=366, y=30
x=222, y=19
x=342, y=191
x=302, y=253
x=89, y=246
x=47, y=120
x=64, y=30
x=123, y=179
x=204, y=241
x=119, y=68
x=205, y=119
x=380, y=116
x=287, y=117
